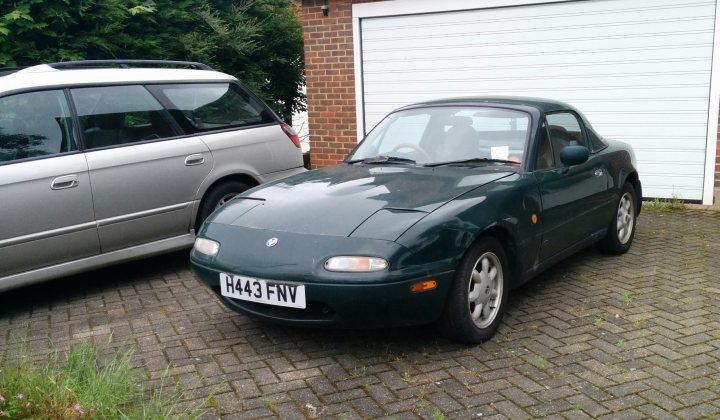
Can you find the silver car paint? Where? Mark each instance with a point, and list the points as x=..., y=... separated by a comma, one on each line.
x=144, y=192
x=40, y=225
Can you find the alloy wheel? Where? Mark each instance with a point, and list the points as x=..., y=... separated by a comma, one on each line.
x=485, y=290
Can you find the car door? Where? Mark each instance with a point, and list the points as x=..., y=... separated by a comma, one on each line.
x=46, y=207
x=145, y=175
x=572, y=197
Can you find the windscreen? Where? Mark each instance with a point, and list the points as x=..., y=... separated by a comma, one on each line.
x=440, y=134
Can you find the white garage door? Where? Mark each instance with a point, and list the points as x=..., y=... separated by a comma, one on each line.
x=639, y=69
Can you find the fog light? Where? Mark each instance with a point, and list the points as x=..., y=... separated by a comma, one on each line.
x=423, y=286
x=206, y=247
x=355, y=264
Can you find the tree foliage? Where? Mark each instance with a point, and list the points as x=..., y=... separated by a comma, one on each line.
x=258, y=41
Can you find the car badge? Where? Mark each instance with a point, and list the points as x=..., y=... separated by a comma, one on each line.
x=271, y=242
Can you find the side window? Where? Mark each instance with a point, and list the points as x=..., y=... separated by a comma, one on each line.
x=545, y=158
x=564, y=127
x=213, y=106
x=35, y=124
x=113, y=115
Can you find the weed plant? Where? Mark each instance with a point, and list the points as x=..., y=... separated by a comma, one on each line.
x=76, y=385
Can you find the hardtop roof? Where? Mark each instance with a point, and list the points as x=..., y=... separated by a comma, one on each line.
x=542, y=104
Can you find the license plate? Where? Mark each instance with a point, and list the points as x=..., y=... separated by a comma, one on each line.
x=262, y=291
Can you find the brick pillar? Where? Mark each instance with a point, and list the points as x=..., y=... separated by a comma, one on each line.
x=330, y=80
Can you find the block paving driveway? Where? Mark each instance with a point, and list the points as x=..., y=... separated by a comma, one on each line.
x=636, y=336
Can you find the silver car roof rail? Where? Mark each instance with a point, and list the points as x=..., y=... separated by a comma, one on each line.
x=94, y=64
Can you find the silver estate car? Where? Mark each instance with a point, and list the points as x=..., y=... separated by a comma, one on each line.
x=107, y=161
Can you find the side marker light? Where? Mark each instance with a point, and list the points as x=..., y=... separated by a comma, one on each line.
x=423, y=286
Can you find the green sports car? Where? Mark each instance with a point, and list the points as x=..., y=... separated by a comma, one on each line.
x=441, y=210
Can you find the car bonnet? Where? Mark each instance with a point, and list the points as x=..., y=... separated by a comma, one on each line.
x=338, y=201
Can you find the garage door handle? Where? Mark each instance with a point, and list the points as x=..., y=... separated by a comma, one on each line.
x=197, y=159
x=63, y=182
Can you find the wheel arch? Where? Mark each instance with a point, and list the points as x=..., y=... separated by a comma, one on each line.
x=634, y=179
x=240, y=177
x=509, y=244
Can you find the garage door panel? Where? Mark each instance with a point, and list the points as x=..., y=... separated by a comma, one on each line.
x=678, y=169
x=681, y=184
x=621, y=119
x=402, y=95
x=558, y=43
x=670, y=155
x=665, y=61
x=453, y=80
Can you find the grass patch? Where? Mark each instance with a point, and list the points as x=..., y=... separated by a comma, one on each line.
x=75, y=385
x=664, y=204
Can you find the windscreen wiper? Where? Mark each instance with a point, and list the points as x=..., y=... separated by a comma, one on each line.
x=472, y=160
x=382, y=159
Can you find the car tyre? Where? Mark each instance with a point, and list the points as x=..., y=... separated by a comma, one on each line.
x=479, y=293
x=621, y=231
x=217, y=197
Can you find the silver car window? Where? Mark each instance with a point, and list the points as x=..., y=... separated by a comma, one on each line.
x=34, y=124
x=214, y=106
x=115, y=115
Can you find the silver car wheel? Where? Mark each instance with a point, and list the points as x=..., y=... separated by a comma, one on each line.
x=625, y=218
x=485, y=290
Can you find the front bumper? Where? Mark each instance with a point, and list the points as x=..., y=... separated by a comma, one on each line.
x=346, y=305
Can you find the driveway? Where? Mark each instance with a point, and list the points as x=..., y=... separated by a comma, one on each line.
x=635, y=336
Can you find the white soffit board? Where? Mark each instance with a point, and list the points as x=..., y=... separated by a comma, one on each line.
x=639, y=69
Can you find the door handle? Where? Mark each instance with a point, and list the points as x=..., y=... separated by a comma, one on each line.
x=599, y=172
x=63, y=182
x=196, y=159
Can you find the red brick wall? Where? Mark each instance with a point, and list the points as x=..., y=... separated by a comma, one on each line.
x=330, y=79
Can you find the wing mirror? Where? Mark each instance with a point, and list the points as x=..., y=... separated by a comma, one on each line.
x=574, y=154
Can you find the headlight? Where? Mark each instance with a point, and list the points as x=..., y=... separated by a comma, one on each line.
x=206, y=247
x=355, y=264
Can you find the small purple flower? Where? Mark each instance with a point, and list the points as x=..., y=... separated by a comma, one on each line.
x=2, y=398
x=19, y=396
x=78, y=408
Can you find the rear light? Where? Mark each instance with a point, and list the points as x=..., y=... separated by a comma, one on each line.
x=292, y=134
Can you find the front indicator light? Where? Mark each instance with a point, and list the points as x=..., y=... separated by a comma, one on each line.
x=206, y=247
x=423, y=286
x=355, y=264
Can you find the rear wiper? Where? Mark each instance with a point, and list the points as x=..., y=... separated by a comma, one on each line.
x=472, y=160
x=382, y=159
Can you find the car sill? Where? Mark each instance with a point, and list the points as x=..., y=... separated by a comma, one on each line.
x=97, y=261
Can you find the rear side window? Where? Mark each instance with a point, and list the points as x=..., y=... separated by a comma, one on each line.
x=113, y=115
x=213, y=106
x=35, y=124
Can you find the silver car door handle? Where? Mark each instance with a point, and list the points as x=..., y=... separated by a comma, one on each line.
x=196, y=159
x=599, y=172
x=63, y=182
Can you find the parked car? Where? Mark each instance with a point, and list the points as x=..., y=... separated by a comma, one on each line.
x=107, y=161
x=441, y=210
